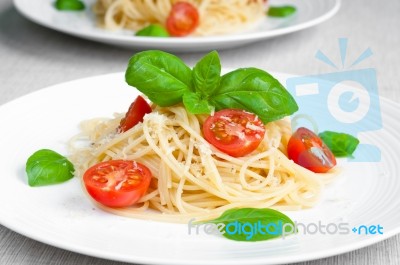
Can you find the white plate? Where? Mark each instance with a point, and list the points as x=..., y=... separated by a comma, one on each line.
x=82, y=24
x=61, y=215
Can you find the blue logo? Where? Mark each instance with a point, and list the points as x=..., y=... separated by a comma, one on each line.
x=345, y=100
x=368, y=229
x=278, y=229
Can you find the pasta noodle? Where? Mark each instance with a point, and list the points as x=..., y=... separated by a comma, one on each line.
x=216, y=16
x=191, y=177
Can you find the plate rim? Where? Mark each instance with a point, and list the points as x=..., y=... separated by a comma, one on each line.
x=222, y=39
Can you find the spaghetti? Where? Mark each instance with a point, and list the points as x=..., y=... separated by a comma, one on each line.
x=216, y=16
x=191, y=177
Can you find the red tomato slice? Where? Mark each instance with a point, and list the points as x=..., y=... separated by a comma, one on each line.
x=135, y=114
x=117, y=183
x=306, y=149
x=234, y=132
x=183, y=19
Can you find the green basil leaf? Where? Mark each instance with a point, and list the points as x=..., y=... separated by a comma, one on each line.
x=252, y=224
x=281, y=11
x=207, y=74
x=341, y=144
x=161, y=76
x=69, y=5
x=195, y=104
x=47, y=167
x=256, y=91
x=153, y=30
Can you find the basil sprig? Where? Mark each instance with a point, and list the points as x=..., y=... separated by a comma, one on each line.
x=341, y=144
x=252, y=224
x=207, y=74
x=281, y=11
x=161, y=76
x=69, y=5
x=167, y=80
x=256, y=91
x=153, y=30
x=195, y=104
x=46, y=167
x=206, y=77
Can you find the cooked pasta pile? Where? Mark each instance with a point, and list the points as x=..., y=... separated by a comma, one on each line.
x=191, y=177
x=216, y=16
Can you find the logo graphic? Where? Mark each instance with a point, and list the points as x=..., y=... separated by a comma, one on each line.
x=346, y=101
x=251, y=229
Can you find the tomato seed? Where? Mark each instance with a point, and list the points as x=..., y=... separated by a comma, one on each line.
x=220, y=124
x=131, y=182
x=134, y=177
x=102, y=180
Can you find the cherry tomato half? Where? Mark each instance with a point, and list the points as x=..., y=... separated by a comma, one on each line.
x=135, y=114
x=306, y=149
x=183, y=19
x=234, y=132
x=117, y=183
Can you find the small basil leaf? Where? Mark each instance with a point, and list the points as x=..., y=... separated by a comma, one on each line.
x=281, y=11
x=252, y=224
x=69, y=5
x=207, y=73
x=341, y=144
x=195, y=105
x=256, y=91
x=161, y=76
x=153, y=30
x=47, y=167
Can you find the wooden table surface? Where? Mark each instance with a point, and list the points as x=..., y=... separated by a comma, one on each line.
x=33, y=57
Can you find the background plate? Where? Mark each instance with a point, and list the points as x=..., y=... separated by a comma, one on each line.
x=61, y=215
x=82, y=24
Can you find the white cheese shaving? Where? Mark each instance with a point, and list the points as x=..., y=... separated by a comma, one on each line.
x=253, y=127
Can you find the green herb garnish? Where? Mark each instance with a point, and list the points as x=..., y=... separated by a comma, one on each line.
x=195, y=104
x=256, y=91
x=281, y=11
x=167, y=80
x=252, y=224
x=153, y=30
x=161, y=76
x=207, y=74
x=69, y=5
x=341, y=144
x=46, y=167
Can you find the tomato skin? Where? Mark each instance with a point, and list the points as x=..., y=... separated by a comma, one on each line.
x=135, y=114
x=234, y=132
x=117, y=183
x=306, y=149
x=183, y=19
